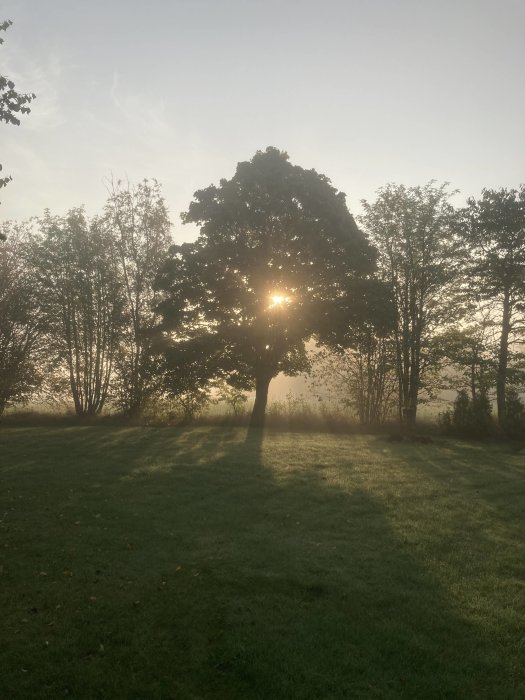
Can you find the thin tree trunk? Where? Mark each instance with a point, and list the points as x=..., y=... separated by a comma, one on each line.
x=411, y=409
x=473, y=381
x=414, y=385
x=503, y=357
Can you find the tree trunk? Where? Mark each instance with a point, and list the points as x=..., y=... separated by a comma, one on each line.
x=261, y=399
x=413, y=391
x=503, y=357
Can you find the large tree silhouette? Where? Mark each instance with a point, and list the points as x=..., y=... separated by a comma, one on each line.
x=278, y=254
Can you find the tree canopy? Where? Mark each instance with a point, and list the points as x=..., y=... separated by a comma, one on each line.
x=278, y=253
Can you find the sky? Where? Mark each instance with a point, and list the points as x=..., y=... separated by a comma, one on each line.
x=181, y=90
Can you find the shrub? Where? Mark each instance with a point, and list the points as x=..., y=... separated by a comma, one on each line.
x=235, y=399
x=469, y=417
x=514, y=421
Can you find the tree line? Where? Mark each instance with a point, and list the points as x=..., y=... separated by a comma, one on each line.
x=415, y=296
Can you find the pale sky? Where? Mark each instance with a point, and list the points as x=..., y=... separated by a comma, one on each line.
x=367, y=92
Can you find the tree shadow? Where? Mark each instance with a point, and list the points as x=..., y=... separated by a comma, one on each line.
x=485, y=479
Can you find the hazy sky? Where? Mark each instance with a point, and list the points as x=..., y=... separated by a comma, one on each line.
x=366, y=92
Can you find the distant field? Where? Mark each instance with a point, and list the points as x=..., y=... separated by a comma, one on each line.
x=167, y=564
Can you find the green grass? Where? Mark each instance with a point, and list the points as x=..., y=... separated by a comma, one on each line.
x=163, y=564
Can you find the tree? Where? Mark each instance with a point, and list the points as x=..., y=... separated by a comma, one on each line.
x=186, y=377
x=361, y=378
x=514, y=423
x=137, y=220
x=278, y=251
x=413, y=229
x=495, y=234
x=235, y=399
x=12, y=104
x=468, y=351
x=357, y=363
x=81, y=303
x=21, y=326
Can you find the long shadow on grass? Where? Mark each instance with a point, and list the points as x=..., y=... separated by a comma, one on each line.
x=494, y=472
x=483, y=483
x=475, y=495
x=209, y=565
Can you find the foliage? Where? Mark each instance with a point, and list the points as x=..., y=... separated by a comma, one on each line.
x=21, y=327
x=81, y=304
x=413, y=229
x=137, y=221
x=277, y=252
x=12, y=104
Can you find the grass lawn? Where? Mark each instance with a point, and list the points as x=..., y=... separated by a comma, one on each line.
x=164, y=564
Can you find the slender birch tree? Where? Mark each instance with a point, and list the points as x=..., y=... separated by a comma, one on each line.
x=82, y=303
x=137, y=220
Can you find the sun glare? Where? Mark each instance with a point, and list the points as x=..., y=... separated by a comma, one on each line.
x=278, y=300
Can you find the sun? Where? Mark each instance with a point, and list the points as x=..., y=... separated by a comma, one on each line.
x=278, y=299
